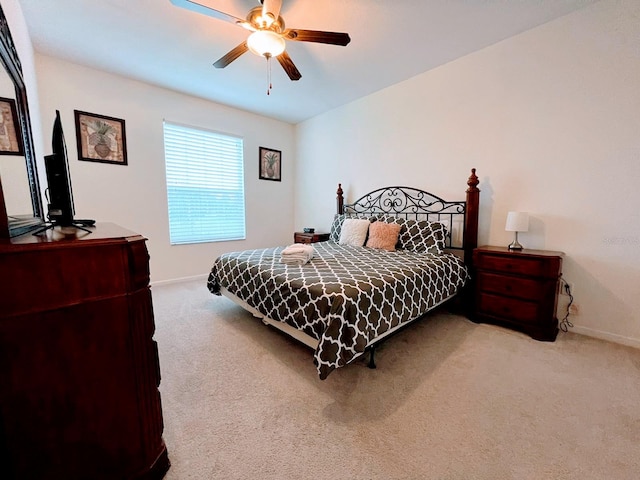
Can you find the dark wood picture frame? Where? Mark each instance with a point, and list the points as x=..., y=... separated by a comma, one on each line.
x=270, y=164
x=10, y=133
x=100, y=138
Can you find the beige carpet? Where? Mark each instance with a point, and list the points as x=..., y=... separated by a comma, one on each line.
x=449, y=400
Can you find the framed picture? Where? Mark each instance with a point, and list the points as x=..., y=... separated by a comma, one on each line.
x=100, y=138
x=270, y=164
x=10, y=135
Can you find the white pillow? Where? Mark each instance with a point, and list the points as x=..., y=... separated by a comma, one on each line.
x=354, y=232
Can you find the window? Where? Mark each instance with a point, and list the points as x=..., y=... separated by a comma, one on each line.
x=205, y=185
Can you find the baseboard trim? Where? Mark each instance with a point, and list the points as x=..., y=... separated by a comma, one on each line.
x=610, y=337
x=174, y=281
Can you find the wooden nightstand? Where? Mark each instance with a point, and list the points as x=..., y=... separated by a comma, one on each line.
x=301, y=237
x=518, y=289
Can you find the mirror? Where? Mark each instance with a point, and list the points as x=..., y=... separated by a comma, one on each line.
x=20, y=202
x=13, y=166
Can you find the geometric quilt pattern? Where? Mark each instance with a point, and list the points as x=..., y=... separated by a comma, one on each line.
x=345, y=297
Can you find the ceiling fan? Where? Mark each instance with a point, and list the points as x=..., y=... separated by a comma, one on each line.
x=268, y=34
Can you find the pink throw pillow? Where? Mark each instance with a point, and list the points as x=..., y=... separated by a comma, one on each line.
x=383, y=235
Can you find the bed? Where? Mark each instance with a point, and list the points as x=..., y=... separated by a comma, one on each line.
x=350, y=297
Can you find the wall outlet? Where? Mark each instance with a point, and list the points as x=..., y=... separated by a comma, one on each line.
x=572, y=288
x=574, y=309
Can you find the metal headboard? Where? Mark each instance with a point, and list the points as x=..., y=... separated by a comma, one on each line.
x=414, y=204
x=460, y=217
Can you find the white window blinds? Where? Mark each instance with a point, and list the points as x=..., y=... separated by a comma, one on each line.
x=205, y=185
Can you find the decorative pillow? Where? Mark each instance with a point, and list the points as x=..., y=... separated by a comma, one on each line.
x=383, y=235
x=419, y=236
x=339, y=219
x=354, y=231
x=425, y=237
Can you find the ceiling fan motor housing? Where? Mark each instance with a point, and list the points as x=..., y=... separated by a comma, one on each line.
x=255, y=18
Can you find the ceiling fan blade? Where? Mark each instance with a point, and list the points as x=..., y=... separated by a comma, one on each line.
x=203, y=9
x=271, y=6
x=332, y=38
x=285, y=60
x=232, y=55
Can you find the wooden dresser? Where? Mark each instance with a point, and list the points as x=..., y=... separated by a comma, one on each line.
x=303, y=237
x=518, y=289
x=78, y=365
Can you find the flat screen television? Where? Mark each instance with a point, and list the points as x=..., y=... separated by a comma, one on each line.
x=59, y=192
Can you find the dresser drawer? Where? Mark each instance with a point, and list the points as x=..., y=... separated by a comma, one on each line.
x=516, y=265
x=507, y=308
x=510, y=286
x=518, y=289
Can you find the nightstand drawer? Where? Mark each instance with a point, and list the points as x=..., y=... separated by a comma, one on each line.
x=510, y=286
x=303, y=237
x=507, y=308
x=518, y=265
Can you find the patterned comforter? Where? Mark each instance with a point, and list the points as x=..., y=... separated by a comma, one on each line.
x=345, y=297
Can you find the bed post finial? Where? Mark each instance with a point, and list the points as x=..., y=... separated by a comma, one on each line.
x=340, y=199
x=471, y=217
x=473, y=181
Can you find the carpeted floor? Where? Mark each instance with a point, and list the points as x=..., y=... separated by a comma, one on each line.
x=449, y=400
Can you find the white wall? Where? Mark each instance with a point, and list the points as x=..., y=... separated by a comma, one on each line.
x=551, y=120
x=134, y=196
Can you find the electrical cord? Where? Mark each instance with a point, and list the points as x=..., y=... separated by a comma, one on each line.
x=565, y=324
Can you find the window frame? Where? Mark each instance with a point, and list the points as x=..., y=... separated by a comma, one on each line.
x=194, y=213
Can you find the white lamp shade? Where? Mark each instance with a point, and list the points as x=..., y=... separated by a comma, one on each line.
x=517, y=222
x=266, y=43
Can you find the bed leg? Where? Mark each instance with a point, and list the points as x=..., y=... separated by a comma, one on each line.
x=372, y=363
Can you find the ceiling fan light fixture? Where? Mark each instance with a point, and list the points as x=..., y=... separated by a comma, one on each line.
x=266, y=20
x=266, y=43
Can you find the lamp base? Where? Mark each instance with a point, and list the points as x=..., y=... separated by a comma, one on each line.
x=515, y=245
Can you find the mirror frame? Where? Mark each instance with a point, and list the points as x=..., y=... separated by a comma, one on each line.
x=11, y=62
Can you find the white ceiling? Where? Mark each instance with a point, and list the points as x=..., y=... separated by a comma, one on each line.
x=156, y=42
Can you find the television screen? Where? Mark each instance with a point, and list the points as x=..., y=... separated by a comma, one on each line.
x=59, y=192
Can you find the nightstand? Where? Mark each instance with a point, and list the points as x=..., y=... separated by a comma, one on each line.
x=518, y=289
x=301, y=237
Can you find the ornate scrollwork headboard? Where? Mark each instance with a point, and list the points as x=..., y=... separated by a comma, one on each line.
x=460, y=217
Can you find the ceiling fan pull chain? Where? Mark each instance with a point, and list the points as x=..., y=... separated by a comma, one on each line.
x=269, y=86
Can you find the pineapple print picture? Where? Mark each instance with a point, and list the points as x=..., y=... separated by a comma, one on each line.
x=100, y=138
x=270, y=164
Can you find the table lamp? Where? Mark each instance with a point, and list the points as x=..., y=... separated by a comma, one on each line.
x=517, y=222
